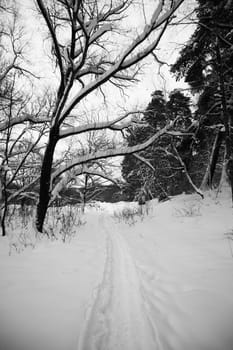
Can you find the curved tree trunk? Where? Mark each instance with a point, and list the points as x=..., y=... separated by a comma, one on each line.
x=44, y=194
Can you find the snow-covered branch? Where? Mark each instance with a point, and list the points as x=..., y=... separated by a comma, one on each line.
x=25, y=117
x=112, y=125
x=112, y=152
x=69, y=176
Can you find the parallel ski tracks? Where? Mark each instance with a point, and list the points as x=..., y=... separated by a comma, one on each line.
x=119, y=318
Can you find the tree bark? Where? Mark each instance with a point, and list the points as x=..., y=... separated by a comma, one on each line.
x=46, y=171
x=215, y=156
x=207, y=181
x=1, y=202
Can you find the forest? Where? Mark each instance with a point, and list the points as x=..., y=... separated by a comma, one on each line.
x=180, y=142
x=116, y=174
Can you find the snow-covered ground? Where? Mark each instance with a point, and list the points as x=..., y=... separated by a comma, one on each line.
x=164, y=282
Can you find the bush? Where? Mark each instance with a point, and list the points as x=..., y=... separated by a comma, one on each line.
x=20, y=229
x=190, y=210
x=63, y=221
x=129, y=215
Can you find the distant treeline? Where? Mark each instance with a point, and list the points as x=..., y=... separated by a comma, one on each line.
x=74, y=195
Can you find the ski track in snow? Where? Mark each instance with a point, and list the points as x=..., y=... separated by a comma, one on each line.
x=119, y=318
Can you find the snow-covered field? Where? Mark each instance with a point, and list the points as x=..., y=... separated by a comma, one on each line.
x=164, y=282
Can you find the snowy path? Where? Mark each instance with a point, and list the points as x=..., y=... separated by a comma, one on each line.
x=118, y=319
x=164, y=283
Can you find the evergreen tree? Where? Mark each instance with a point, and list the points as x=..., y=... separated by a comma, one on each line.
x=206, y=64
x=158, y=171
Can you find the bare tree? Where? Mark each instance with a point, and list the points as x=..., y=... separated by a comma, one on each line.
x=23, y=122
x=93, y=173
x=90, y=52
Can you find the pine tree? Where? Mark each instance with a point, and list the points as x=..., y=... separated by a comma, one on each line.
x=161, y=175
x=206, y=64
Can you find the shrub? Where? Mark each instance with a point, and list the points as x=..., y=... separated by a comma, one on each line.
x=129, y=215
x=190, y=210
x=63, y=222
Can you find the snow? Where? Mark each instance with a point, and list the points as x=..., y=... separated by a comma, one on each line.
x=163, y=281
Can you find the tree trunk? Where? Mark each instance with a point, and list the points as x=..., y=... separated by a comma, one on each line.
x=3, y=223
x=207, y=181
x=85, y=193
x=46, y=170
x=223, y=184
x=227, y=122
x=3, y=201
x=215, y=155
x=197, y=190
